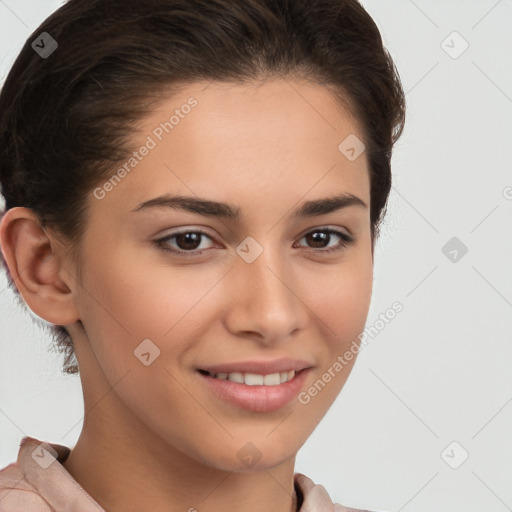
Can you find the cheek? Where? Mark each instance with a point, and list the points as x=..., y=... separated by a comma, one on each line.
x=135, y=294
x=341, y=303
x=346, y=304
x=129, y=300
x=342, y=298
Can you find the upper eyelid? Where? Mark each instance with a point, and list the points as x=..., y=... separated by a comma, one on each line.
x=204, y=231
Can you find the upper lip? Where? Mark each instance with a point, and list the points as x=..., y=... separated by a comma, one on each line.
x=259, y=367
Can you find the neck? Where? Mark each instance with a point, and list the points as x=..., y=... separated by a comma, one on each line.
x=125, y=467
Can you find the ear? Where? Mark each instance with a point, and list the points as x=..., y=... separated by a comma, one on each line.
x=35, y=265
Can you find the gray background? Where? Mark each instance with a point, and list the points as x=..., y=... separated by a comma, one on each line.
x=437, y=373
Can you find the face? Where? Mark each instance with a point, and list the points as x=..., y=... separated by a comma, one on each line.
x=172, y=289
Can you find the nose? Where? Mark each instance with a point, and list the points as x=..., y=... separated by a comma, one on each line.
x=268, y=300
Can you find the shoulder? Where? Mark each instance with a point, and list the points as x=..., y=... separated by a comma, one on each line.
x=316, y=498
x=38, y=481
x=16, y=493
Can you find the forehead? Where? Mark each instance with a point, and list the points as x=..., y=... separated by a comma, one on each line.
x=270, y=142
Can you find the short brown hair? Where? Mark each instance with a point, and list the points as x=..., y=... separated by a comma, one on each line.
x=66, y=120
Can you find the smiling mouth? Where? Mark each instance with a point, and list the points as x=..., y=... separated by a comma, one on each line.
x=254, y=379
x=255, y=392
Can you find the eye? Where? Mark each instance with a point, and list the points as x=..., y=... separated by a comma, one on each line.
x=189, y=241
x=326, y=235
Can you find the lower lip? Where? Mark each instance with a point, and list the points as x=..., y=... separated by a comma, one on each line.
x=256, y=398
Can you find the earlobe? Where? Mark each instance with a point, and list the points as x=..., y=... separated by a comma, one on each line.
x=35, y=266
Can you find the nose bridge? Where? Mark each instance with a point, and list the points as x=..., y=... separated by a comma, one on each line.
x=269, y=279
x=266, y=302
x=264, y=264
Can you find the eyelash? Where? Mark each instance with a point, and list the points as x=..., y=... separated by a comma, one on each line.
x=345, y=241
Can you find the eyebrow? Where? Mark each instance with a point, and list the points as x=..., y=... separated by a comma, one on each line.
x=210, y=208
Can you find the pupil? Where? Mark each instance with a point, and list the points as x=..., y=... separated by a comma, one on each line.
x=193, y=238
x=320, y=238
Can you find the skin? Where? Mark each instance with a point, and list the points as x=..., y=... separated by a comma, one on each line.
x=153, y=436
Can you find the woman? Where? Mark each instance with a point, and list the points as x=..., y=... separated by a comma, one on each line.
x=193, y=194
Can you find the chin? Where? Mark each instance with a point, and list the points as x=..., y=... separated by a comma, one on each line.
x=250, y=459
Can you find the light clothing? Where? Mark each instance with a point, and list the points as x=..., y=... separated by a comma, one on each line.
x=38, y=482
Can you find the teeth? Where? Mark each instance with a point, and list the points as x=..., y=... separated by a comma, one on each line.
x=272, y=379
x=236, y=377
x=254, y=379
